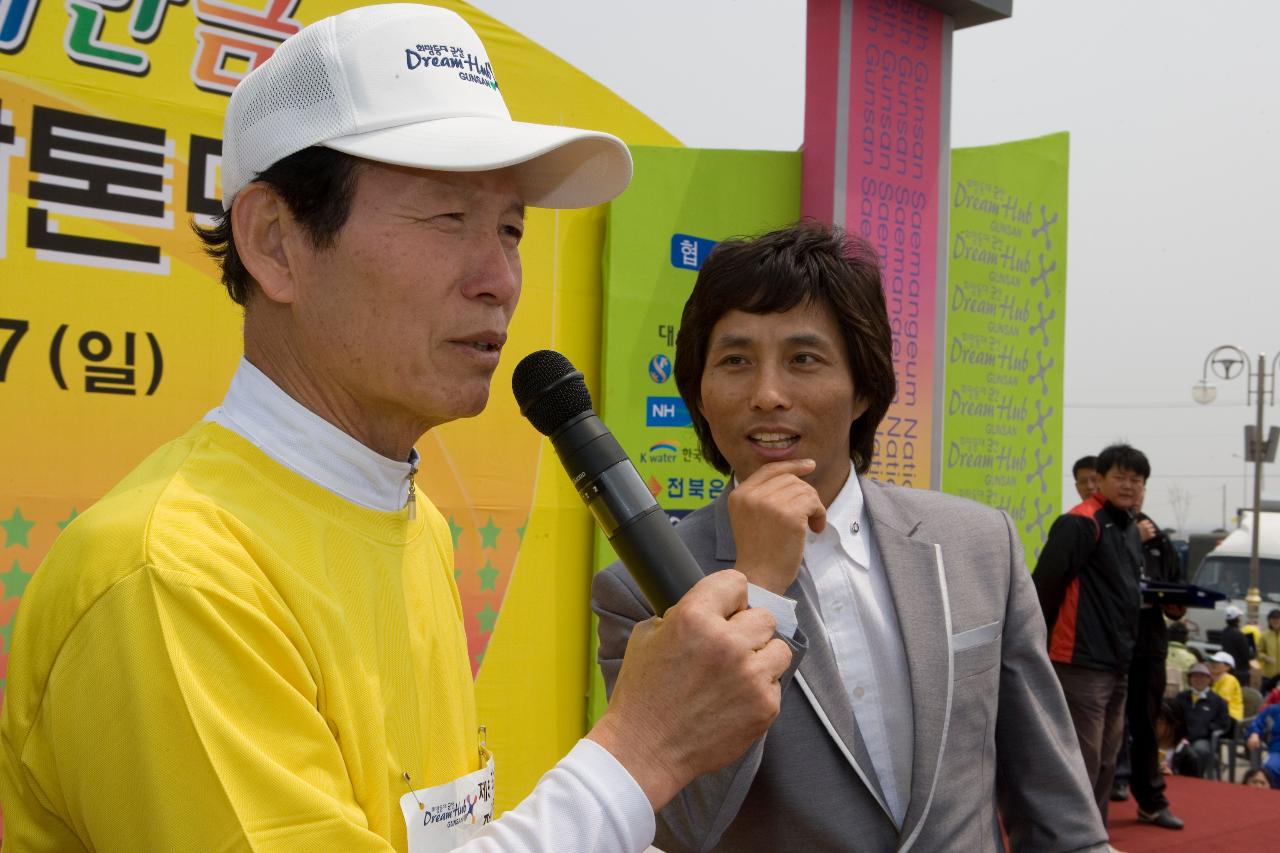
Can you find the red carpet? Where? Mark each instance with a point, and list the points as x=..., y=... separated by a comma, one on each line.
x=1219, y=817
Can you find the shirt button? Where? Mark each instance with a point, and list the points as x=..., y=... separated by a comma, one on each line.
x=858, y=692
x=838, y=606
x=853, y=528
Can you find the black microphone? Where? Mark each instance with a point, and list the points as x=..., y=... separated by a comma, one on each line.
x=554, y=398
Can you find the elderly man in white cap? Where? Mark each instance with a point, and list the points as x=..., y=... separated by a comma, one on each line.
x=254, y=641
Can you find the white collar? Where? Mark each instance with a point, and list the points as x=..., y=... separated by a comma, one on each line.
x=847, y=522
x=260, y=411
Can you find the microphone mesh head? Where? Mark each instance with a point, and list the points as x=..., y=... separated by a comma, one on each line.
x=549, y=390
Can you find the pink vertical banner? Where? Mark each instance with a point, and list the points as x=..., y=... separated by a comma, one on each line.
x=872, y=158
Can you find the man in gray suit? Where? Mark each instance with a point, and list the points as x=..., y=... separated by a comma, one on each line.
x=920, y=696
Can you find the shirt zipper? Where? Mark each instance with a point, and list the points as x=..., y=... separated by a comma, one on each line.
x=412, y=501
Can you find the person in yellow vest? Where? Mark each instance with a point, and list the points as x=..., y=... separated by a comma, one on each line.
x=1269, y=651
x=254, y=641
x=1227, y=685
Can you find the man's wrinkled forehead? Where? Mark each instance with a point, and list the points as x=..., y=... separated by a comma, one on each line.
x=438, y=188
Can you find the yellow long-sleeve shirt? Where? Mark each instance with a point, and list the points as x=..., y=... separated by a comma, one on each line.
x=1228, y=687
x=1269, y=647
x=223, y=655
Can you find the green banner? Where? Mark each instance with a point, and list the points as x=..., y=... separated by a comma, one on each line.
x=1005, y=322
x=680, y=204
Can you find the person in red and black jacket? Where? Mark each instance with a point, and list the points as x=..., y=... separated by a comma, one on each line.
x=1088, y=580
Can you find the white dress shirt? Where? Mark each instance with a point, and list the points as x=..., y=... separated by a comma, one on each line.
x=861, y=622
x=588, y=801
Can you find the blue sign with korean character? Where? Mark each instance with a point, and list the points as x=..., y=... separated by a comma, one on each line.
x=688, y=252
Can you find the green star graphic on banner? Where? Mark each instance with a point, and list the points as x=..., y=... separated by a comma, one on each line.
x=457, y=575
x=479, y=660
x=455, y=531
x=6, y=632
x=15, y=581
x=62, y=525
x=487, y=576
x=16, y=529
x=489, y=534
x=521, y=529
x=486, y=617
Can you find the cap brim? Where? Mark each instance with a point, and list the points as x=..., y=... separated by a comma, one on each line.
x=558, y=167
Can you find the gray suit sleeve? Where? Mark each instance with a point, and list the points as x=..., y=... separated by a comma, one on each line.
x=1041, y=785
x=699, y=814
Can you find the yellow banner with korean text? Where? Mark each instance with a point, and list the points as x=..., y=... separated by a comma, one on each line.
x=115, y=334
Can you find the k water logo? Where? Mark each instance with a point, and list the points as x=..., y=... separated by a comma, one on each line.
x=660, y=368
x=662, y=453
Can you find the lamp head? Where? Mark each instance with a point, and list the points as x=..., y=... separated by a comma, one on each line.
x=1204, y=392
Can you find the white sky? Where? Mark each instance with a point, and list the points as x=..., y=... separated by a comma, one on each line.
x=1174, y=193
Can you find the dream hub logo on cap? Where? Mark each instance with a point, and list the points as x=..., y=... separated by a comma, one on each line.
x=470, y=68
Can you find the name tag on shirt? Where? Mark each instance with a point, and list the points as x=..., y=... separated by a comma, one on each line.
x=444, y=817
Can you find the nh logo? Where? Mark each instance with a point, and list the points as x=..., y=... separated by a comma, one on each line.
x=666, y=411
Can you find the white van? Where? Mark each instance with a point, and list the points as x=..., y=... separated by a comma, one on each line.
x=1226, y=570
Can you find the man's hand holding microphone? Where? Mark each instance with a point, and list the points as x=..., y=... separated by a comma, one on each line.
x=700, y=681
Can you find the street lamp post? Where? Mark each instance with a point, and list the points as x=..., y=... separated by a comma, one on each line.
x=1226, y=362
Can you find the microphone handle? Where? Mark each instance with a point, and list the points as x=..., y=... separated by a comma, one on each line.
x=637, y=528
x=651, y=541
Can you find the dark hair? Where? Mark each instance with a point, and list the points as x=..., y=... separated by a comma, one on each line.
x=1089, y=463
x=810, y=263
x=318, y=184
x=1125, y=458
x=1178, y=631
x=1275, y=611
x=1253, y=773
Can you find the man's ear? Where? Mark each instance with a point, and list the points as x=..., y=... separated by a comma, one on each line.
x=860, y=405
x=262, y=226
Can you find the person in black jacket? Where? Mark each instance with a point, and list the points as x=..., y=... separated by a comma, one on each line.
x=1087, y=579
x=1238, y=644
x=1139, y=763
x=1201, y=713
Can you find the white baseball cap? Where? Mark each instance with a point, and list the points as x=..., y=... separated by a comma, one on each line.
x=408, y=85
x=1224, y=657
x=1232, y=612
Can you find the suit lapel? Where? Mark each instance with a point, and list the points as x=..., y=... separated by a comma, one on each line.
x=725, y=548
x=913, y=568
x=818, y=675
x=820, y=679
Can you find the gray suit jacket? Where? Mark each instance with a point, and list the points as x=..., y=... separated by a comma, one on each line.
x=990, y=721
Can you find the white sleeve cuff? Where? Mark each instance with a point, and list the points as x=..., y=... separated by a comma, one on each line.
x=588, y=802
x=782, y=608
